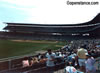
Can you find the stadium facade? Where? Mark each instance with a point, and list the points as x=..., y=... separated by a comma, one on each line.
x=87, y=30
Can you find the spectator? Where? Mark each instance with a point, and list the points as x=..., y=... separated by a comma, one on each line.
x=50, y=61
x=30, y=61
x=71, y=58
x=35, y=60
x=25, y=62
x=81, y=58
x=39, y=56
x=43, y=59
x=70, y=69
x=90, y=64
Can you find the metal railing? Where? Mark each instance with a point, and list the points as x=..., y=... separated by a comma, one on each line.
x=10, y=62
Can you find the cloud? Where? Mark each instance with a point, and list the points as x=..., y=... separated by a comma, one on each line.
x=48, y=11
x=19, y=2
x=16, y=4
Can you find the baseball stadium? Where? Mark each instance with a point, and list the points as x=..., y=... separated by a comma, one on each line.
x=23, y=40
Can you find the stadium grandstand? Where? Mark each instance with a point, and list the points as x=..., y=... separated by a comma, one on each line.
x=88, y=30
x=64, y=55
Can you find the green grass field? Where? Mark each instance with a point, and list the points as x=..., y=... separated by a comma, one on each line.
x=9, y=48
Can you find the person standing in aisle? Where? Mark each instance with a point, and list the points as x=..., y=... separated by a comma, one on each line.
x=50, y=61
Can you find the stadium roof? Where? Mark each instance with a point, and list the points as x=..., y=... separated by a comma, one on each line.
x=56, y=28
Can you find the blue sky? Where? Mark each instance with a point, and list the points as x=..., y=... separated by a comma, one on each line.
x=46, y=12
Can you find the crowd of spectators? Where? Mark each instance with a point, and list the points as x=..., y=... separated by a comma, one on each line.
x=78, y=55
